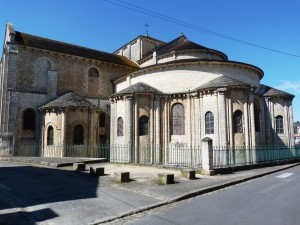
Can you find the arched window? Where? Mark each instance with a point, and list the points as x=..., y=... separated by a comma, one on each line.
x=120, y=127
x=143, y=125
x=256, y=117
x=50, y=133
x=177, y=122
x=238, y=121
x=78, y=135
x=93, y=73
x=279, y=124
x=29, y=119
x=209, y=123
x=102, y=120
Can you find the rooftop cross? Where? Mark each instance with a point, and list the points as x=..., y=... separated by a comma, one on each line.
x=146, y=25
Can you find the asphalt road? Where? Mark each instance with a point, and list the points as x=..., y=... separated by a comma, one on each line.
x=35, y=195
x=271, y=200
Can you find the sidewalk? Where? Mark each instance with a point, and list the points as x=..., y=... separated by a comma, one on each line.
x=142, y=192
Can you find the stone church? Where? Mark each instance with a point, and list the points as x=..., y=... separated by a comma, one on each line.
x=146, y=93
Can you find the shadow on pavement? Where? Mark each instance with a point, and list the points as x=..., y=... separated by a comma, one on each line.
x=25, y=186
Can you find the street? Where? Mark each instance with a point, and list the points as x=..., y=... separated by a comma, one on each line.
x=32, y=195
x=271, y=200
x=37, y=195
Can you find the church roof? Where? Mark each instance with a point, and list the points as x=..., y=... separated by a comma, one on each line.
x=269, y=92
x=222, y=81
x=182, y=43
x=139, y=37
x=57, y=46
x=69, y=100
x=138, y=88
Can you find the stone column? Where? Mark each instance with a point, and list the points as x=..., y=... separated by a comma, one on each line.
x=63, y=131
x=252, y=128
x=197, y=126
x=286, y=124
x=157, y=130
x=166, y=133
x=91, y=134
x=113, y=119
x=268, y=121
x=207, y=156
x=263, y=122
x=246, y=121
x=151, y=131
x=222, y=130
x=43, y=135
x=222, y=124
x=136, y=131
x=291, y=133
x=272, y=119
x=188, y=120
x=201, y=117
x=216, y=121
x=230, y=128
x=129, y=124
x=189, y=126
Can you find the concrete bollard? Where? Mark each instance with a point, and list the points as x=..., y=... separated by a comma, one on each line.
x=188, y=173
x=79, y=166
x=165, y=178
x=122, y=176
x=97, y=171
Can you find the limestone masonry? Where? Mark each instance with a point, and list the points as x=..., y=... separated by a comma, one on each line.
x=146, y=93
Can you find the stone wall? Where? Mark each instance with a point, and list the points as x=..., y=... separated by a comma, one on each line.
x=184, y=78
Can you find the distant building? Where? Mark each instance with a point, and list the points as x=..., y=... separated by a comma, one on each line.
x=146, y=93
x=297, y=132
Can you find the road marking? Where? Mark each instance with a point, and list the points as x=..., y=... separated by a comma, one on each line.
x=285, y=175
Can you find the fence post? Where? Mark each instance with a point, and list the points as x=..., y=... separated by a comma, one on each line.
x=207, y=157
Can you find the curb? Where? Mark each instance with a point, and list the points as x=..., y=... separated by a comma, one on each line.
x=191, y=195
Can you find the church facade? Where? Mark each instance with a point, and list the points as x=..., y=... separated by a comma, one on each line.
x=146, y=93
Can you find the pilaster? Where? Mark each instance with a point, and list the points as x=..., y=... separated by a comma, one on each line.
x=252, y=120
x=63, y=131
x=128, y=125
x=222, y=124
x=157, y=129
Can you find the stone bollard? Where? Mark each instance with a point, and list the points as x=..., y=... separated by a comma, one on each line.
x=79, y=166
x=122, y=176
x=97, y=171
x=188, y=173
x=165, y=178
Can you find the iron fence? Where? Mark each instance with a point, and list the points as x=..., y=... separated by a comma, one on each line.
x=177, y=155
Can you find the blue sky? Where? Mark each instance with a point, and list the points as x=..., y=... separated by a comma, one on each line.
x=102, y=25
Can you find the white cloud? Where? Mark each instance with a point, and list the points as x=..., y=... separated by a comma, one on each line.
x=288, y=85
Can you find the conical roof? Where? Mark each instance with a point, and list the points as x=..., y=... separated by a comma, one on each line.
x=268, y=91
x=69, y=100
x=222, y=81
x=138, y=88
x=182, y=43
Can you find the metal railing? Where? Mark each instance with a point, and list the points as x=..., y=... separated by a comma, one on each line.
x=177, y=155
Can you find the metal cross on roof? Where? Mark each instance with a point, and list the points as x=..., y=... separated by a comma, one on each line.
x=146, y=25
